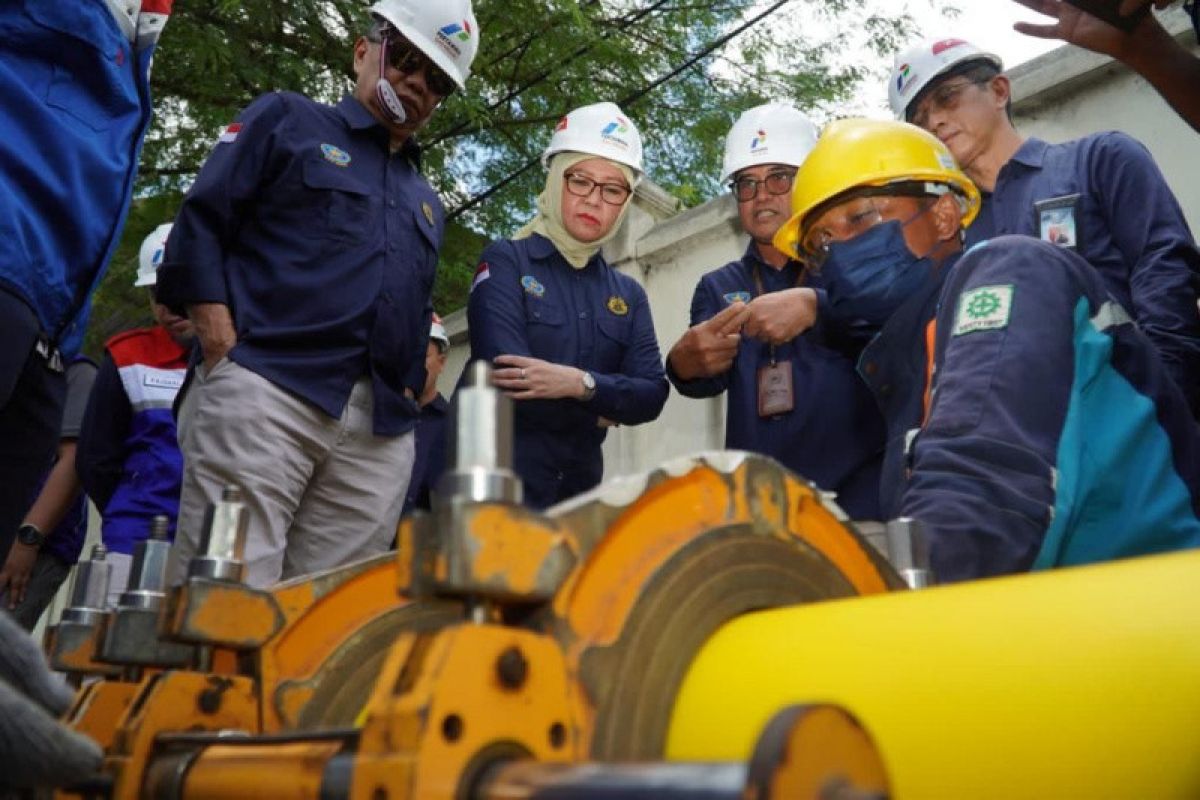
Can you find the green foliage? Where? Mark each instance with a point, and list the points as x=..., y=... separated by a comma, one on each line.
x=539, y=59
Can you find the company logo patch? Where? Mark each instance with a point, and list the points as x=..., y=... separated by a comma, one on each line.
x=903, y=78
x=736, y=297
x=450, y=35
x=427, y=210
x=946, y=44
x=482, y=273
x=615, y=131
x=759, y=142
x=532, y=286
x=561, y=126
x=230, y=133
x=618, y=306
x=984, y=309
x=335, y=155
x=156, y=259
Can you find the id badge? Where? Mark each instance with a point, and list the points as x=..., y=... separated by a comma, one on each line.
x=775, y=394
x=1056, y=221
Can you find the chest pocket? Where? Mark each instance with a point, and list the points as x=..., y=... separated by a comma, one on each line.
x=544, y=330
x=427, y=246
x=615, y=335
x=338, y=204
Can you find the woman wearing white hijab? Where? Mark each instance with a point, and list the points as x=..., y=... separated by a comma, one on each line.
x=571, y=338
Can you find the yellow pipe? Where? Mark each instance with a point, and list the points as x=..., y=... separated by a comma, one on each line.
x=1074, y=683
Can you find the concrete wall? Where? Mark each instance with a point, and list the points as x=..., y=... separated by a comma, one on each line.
x=1061, y=95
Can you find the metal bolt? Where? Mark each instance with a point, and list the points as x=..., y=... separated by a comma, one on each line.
x=512, y=669
x=452, y=727
x=558, y=735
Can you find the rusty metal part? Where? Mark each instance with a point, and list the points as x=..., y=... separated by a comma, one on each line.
x=71, y=647
x=216, y=612
x=129, y=636
x=97, y=707
x=176, y=701
x=686, y=549
x=816, y=751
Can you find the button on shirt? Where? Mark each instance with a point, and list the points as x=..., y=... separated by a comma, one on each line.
x=533, y=303
x=323, y=243
x=1126, y=223
x=834, y=434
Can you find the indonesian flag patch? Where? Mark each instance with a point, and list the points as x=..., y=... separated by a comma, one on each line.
x=482, y=273
x=230, y=133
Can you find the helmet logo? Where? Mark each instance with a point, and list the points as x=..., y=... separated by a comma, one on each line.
x=157, y=258
x=946, y=44
x=447, y=35
x=561, y=126
x=759, y=142
x=613, y=131
x=903, y=78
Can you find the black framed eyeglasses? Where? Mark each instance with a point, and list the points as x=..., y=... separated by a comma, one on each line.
x=581, y=186
x=404, y=56
x=779, y=182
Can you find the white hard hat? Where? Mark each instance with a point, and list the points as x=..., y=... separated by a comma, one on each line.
x=151, y=255
x=917, y=66
x=601, y=129
x=445, y=31
x=437, y=330
x=775, y=133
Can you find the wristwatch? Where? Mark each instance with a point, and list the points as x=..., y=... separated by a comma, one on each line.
x=589, y=386
x=30, y=536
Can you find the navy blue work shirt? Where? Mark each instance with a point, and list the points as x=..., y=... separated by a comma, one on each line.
x=323, y=242
x=430, y=460
x=834, y=436
x=1105, y=198
x=529, y=301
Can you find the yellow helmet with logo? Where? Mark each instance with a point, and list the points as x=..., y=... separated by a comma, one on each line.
x=854, y=153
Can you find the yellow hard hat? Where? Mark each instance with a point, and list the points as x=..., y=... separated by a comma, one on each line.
x=854, y=153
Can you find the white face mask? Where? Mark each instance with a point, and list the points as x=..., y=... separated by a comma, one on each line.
x=389, y=103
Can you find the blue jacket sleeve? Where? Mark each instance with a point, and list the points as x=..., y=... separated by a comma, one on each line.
x=495, y=308
x=100, y=453
x=982, y=471
x=638, y=392
x=193, y=269
x=704, y=307
x=1148, y=227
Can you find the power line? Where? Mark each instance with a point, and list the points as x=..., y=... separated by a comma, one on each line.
x=629, y=99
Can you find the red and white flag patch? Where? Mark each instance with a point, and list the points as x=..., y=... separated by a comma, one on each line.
x=230, y=133
x=482, y=273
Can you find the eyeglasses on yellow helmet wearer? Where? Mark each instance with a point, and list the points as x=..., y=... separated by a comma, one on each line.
x=863, y=153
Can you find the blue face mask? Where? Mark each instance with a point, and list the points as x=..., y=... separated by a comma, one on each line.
x=870, y=276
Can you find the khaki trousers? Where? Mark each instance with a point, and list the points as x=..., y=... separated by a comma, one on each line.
x=320, y=492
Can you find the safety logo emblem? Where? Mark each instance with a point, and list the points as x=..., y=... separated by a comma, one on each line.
x=335, y=155
x=946, y=44
x=450, y=35
x=614, y=133
x=427, y=210
x=618, y=306
x=532, y=286
x=759, y=142
x=983, y=309
x=736, y=297
x=902, y=78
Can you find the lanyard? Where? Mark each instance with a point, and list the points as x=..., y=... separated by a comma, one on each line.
x=760, y=291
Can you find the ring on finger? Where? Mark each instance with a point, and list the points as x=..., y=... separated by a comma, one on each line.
x=523, y=374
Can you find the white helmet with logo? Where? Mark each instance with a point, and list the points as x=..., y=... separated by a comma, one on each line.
x=601, y=129
x=151, y=255
x=775, y=133
x=919, y=65
x=445, y=31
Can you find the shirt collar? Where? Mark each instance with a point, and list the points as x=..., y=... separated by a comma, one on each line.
x=542, y=248
x=358, y=118
x=1032, y=153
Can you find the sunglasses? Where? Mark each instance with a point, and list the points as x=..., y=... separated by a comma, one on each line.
x=403, y=56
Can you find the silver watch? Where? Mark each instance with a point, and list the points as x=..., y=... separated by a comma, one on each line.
x=589, y=386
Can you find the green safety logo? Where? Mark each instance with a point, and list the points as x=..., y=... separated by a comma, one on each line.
x=984, y=309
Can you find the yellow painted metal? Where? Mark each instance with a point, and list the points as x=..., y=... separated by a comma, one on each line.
x=225, y=771
x=1068, y=684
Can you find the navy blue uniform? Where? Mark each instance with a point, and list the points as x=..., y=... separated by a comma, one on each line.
x=528, y=301
x=1053, y=437
x=323, y=243
x=430, y=460
x=834, y=434
x=1110, y=203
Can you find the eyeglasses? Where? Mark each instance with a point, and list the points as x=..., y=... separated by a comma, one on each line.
x=582, y=186
x=403, y=56
x=944, y=98
x=855, y=220
x=745, y=189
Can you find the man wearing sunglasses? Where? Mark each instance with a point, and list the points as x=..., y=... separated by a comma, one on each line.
x=792, y=393
x=1101, y=196
x=305, y=255
x=1029, y=424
